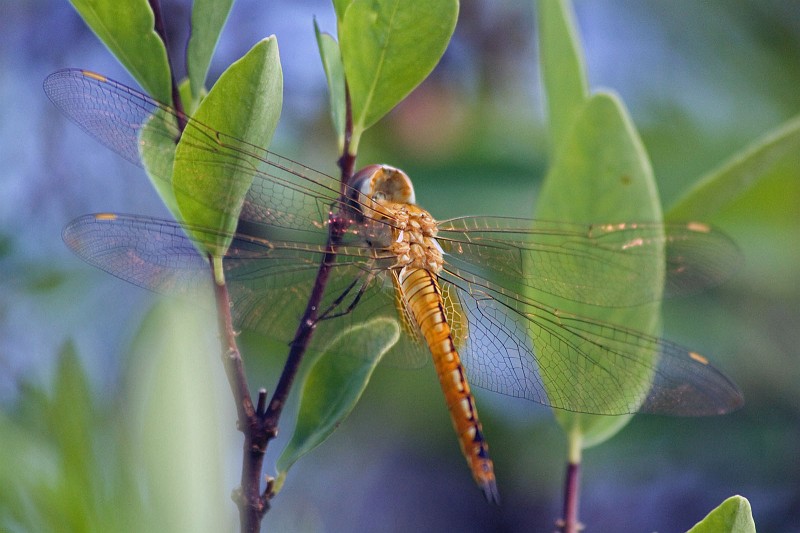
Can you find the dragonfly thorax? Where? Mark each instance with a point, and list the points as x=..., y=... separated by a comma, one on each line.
x=414, y=238
x=385, y=198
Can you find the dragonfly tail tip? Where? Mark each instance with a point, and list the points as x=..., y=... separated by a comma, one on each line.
x=490, y=491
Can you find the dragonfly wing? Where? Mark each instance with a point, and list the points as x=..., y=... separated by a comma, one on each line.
x=269, y=281
x=608, y=265
x=144, y=131
x=150, y=253
x=518, y=347
x=270, y=296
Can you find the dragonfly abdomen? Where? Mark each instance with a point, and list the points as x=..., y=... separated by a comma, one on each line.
x=424, y=301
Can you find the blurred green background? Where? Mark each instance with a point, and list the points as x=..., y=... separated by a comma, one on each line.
x=701, y=79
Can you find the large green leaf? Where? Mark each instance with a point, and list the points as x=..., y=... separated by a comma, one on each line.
x=340, y=6
x=334, y=385
x=723, y=185
x=562, y=65
x=126, y=28
x=176, y=397
x=601, y=174
x=334, y=72
x=208, y=18
x=244, y=104
x=388, y=48
x=732, y=516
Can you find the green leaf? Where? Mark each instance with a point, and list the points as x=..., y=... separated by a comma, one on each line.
x=562, y=64
x=388, y=48
x=70, y=418
x=176, y=403
x=157, y=152
x=27, y=471
x=71, y=414
x=244, y=104
x=126, y=28
x=208, y=18
x=340, y=6
x=334, y=385
x=334, y=72
x=723, y=185
x=732, y=516
x=70, y=469
x=601, y=174
x=185, y=94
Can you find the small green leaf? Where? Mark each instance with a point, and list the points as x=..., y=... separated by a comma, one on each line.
x=189, y=102
x=244, y=104
x=732, y=516
x=71, y=410
x=71, y=417
x=723, y=185
x=334, y=72
x=208, y=18
x=126, y=28
x=388, y=48
x=334, y=385
x=562, y=64
x=601, y=174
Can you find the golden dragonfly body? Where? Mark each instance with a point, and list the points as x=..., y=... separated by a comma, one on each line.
x=412, y=239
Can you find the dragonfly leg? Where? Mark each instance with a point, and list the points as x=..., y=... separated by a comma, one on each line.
x=328, y=313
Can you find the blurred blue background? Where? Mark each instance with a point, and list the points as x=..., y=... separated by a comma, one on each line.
x=701, y=80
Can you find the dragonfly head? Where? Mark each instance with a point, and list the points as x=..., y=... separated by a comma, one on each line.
x=383, y=183
x=383, y=200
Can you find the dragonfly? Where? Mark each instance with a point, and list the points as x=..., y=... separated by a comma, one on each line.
x=471, y=292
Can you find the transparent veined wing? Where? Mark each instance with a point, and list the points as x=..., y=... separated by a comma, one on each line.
x=503, y=335
x=517, y=345
x=520, y=347
x=284, y=193
x=599, y=264
x=269, y=281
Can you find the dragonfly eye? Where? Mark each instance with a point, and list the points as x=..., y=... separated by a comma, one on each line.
x=383, y=183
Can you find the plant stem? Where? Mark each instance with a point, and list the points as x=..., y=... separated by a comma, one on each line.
x=347, y=161
x=301, y=339
x=158, y=26
x=260, y=424
x=569, y=523
x=252, y=505
x=305, y=329
x=232, y=359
